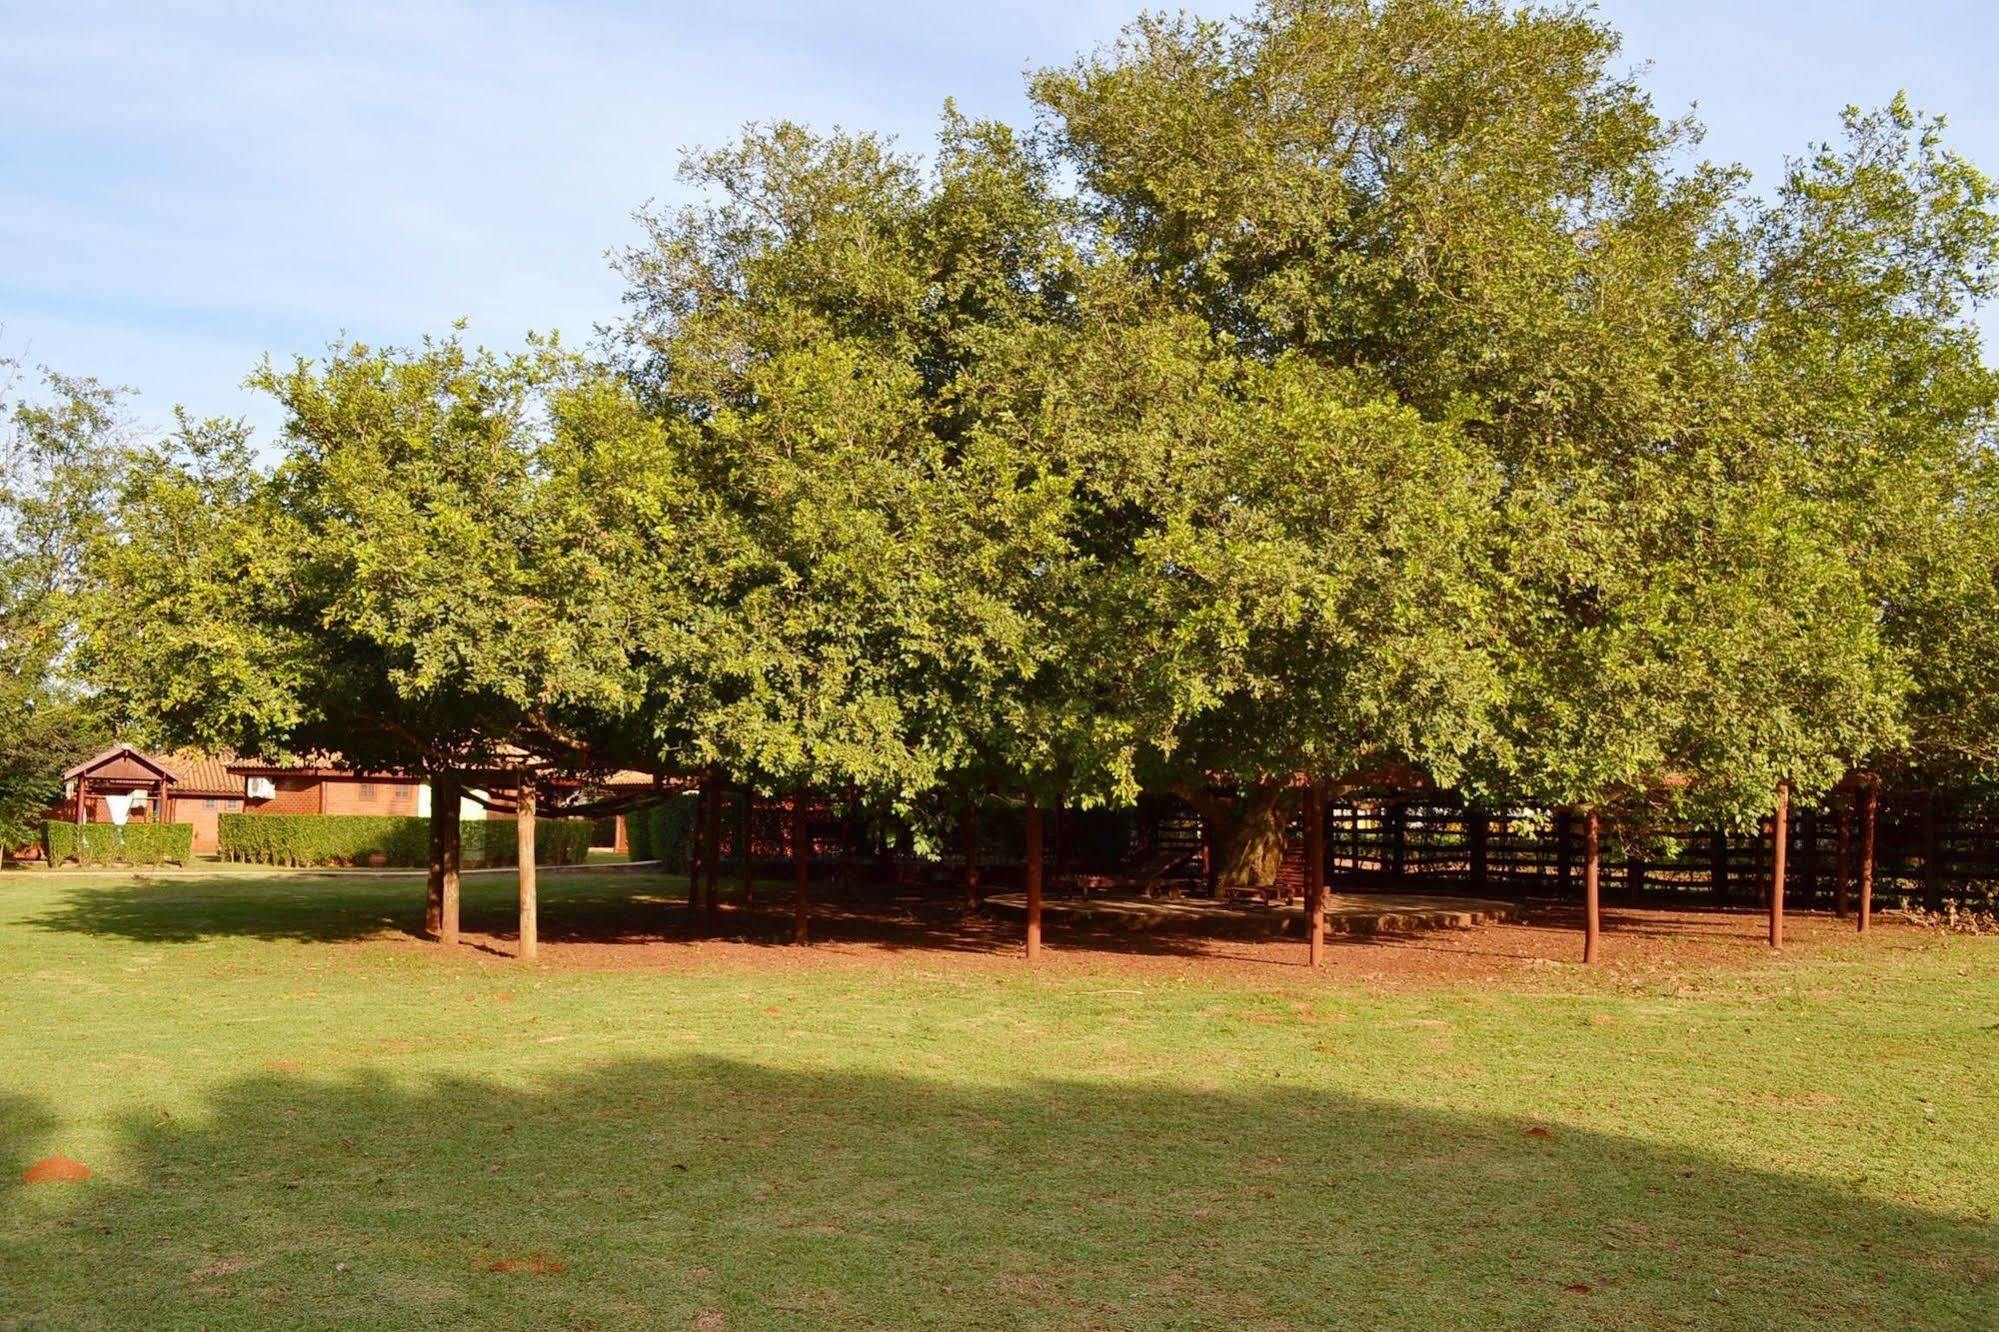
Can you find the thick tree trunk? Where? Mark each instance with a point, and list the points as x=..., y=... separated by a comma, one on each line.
x=1248, y=833
x=441, y=898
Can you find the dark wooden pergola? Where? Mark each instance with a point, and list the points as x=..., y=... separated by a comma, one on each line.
x=516, y=789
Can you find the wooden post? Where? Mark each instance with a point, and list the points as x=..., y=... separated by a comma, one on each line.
x=1061, y=838
x=1211, y=864
x=714, y=896
x=1034, y=840
x=1565, y=836
x=1780, y=845
x=1399, y=833
x=1808, y=838
x=801, y=867
x=1717, y=866
x=524, y=815
x=1592, y=870
x=1476, y=830
x=697, y=829
x=1932, y=853
x=449, y=788
x=1870, y=797
x=1842, y=875
x=82, y=798
x=1315, y=872
x=850, y=841
x=969, y=834
x=743, y=853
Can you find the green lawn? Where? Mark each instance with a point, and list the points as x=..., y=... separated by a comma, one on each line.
x=296, y=1122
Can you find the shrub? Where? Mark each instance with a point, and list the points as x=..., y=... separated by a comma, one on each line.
x=660, y=832
x=495, y=842
x=106, y=843
x=399, y=841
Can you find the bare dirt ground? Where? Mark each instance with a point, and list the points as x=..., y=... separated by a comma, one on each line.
x=913, y=933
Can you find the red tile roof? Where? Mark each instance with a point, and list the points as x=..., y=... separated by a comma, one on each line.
x=202, y=774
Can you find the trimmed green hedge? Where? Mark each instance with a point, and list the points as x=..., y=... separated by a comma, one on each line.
x=392, y=840
x=105, y=843
x=497, y=842
x=660, y=833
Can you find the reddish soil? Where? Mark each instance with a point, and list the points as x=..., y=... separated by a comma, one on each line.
x=906, y=932
x=56, y=1170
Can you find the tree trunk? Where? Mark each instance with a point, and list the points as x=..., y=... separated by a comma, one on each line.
x=1248, y=833
x=441, y=905
x=454, y=855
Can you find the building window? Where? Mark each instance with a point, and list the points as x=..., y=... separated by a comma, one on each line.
x=368, y=791
x=211, y=804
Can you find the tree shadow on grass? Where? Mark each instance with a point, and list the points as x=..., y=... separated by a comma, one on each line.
x=662, y=1193
x=619, y=907
x=637, y=907
x=173, y=909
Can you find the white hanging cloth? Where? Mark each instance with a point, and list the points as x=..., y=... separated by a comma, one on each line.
x=120, y=806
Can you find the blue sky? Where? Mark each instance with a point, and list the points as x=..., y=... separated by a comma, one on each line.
x=186, y=186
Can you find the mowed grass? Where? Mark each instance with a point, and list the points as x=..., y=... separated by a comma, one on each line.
x=297, y=1115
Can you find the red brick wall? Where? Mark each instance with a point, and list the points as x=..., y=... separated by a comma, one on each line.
x=296, y=795
x=345, y=795
x=204, y=812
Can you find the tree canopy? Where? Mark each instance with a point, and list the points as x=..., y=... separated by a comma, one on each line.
x=1355, y=386
x=61, y=440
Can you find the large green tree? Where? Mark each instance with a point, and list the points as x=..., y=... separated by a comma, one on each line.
x=1474, y=214
x=451, y=566
x=61, y=443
